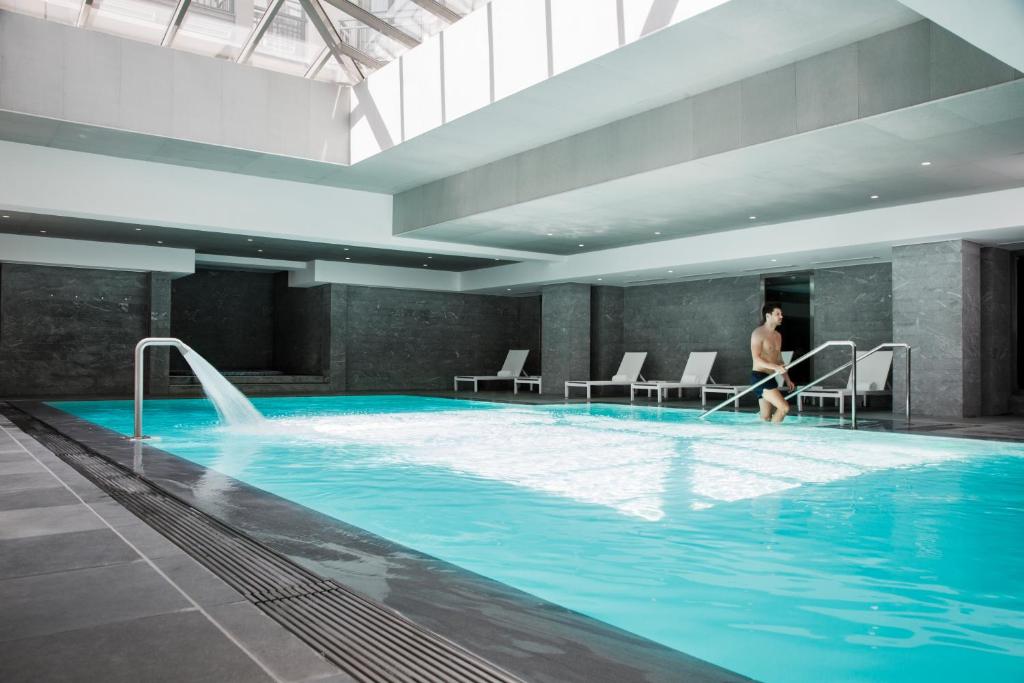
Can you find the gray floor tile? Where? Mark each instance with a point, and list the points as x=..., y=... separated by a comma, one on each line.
x=23, y=466
x=33, y=480
x=65, y=601
x=170, y=647
x=279, y=650
x=37, y=498
x=114, y=514
x=62, y=552
x=203, y=586
x=13, y=456
x=52, y=520
x=149, y=542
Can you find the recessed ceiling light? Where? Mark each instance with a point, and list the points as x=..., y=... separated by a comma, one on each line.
x=424, y=265
x=508, y=289
x=6, y=216
x=926, y=163
x=248, y=239
x=598, y=279
x=753, y=218
x=497, y=259
x=549, y=234
x=346, y=248
x=43, y=231
x=657, y=233
x=430, y=257
x=260, y=250
x=670, y=271
x=348, y=258
x=874, y=196
x=138, y=229
x=774, y=260
x=581, y=245
x=159, y=241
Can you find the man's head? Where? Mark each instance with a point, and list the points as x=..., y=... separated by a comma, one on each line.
x=771, y=312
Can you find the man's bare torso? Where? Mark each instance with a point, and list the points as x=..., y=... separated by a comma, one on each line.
x=770, y=346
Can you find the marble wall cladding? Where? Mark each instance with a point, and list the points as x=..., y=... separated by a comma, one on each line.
x=227, y=316
x=853, y=303
x=300, y=324
x=606, y=310
x=565, y=330
x=406, y=339
x=70, y=331
x=529, y=332
x=997, y=361
x=936, y=309
x=669, y=321
x=158, y=362
x=334, y=346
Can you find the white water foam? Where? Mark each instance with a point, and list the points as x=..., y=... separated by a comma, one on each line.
x=232, y=406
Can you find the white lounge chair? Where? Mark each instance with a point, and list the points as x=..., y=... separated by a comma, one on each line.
x=512, y=368
x=872, y=373
x=629, y=371
x=696, y=374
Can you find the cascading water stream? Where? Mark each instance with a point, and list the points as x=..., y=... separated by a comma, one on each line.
x=232, y=406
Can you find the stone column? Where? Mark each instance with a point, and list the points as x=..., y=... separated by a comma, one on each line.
x=606, y=344
x=336, y=340
x=158, y=362
x=565, y=335
x=997, y=367
x=936, y=308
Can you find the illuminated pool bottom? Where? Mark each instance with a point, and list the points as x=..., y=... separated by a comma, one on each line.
x=793, y=553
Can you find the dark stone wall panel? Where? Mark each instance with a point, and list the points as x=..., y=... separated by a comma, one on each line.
x=936, y=308
x=852, y=303
x=159, y=360
x=565, y=324
x=606, y=310
x=997, y=364
x=300, y=324
x=70, y=331
x=529, y=333
x=406, y=339
x=669, y=321
x=227, y=316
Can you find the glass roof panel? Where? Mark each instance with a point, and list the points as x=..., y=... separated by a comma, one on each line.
x=290, y=44
x=220, y=28
x=144, y=20
x=215, y=28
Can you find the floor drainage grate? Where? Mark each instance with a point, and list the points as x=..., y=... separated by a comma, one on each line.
x=369, y=642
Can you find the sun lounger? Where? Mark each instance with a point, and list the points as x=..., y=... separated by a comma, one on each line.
x=512, y=368
x=696, y=374
x=872, y=373
x=629, y=371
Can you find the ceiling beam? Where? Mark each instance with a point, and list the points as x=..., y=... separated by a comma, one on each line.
x=350, y=68
x=375, y=22
x=174, y=24
x=339, y=48
x=439, y=10
x=83, y=13
x=258, y=30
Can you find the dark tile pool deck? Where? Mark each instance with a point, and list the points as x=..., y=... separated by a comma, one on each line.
x=90, y=592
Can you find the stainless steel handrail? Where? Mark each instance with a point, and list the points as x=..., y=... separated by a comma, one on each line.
x=801, y=359
x=885, y=345
x=139, y=370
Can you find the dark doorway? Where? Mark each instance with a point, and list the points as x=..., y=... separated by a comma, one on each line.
x=793, y=293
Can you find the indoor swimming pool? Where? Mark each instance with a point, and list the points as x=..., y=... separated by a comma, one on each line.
x=792, y=553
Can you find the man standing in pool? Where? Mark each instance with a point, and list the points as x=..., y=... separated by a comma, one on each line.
x=766, y=350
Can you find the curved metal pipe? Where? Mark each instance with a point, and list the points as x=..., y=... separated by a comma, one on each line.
x=140, y=370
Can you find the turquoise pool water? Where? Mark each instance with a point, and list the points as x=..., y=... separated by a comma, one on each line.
x=791, y=553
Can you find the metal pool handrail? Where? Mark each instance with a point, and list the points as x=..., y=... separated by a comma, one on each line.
x=801, y=359
x=885, y=345
x=139, y=370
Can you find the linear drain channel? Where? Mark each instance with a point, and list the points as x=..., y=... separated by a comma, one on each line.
x=368, y=641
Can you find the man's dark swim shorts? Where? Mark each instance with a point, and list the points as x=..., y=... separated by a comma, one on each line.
x=756, y=376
